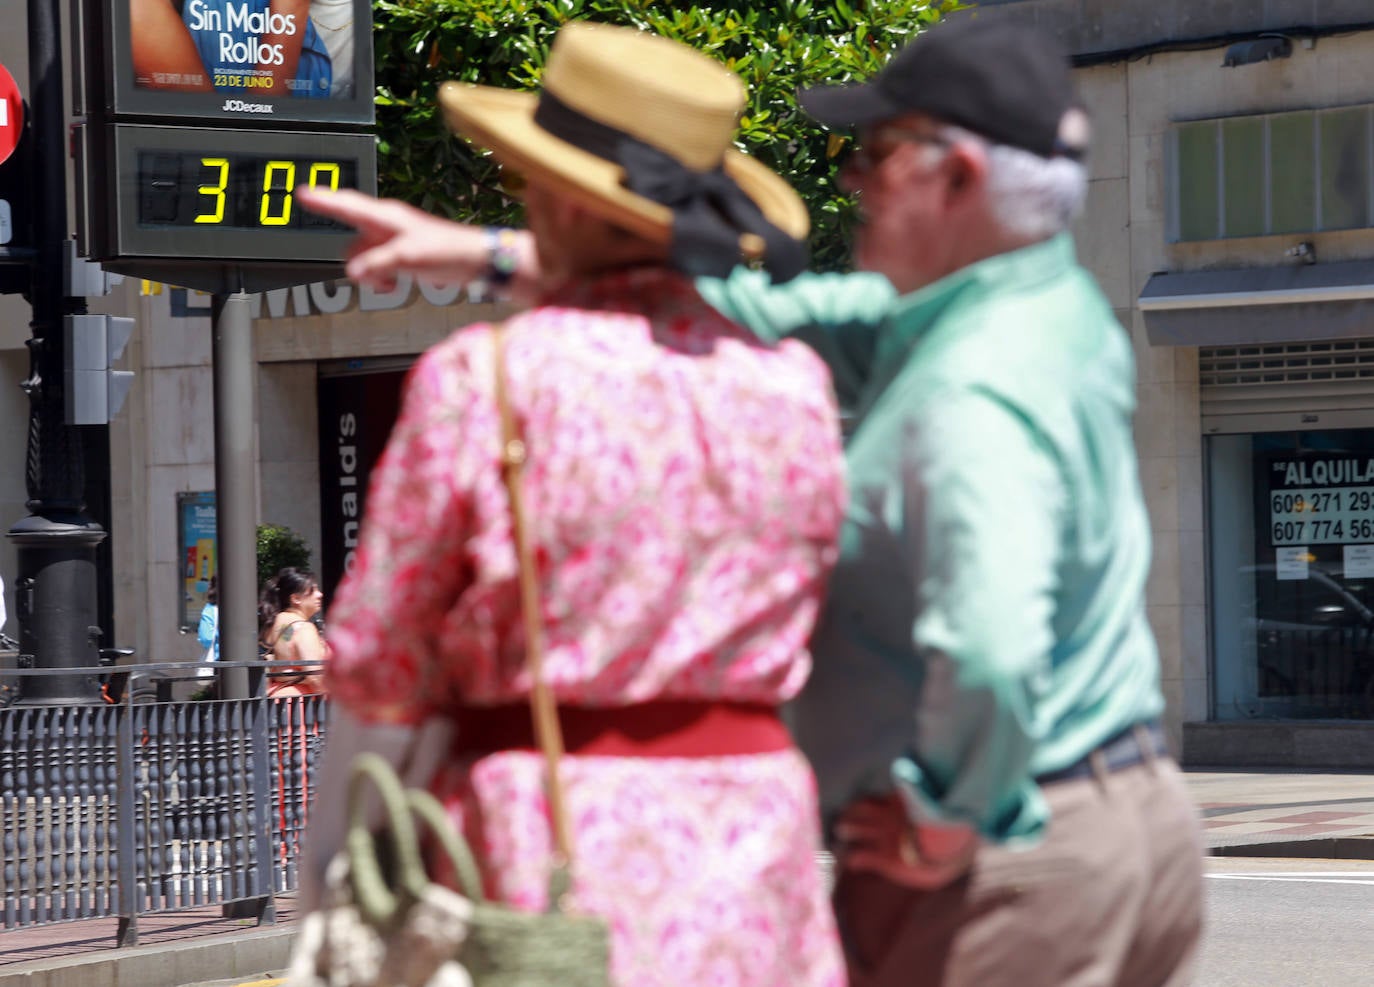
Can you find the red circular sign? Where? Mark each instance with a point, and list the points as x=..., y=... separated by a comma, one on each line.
x=11, y=114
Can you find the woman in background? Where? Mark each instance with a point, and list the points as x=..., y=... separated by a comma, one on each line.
x=287, y=632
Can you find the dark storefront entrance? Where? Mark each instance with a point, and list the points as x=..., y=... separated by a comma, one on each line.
x=359, y=402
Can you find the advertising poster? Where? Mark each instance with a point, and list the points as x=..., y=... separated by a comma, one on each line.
x=246, y=48
x=197, y=554
x=244, y=59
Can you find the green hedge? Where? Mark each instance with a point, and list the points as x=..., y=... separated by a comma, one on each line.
x=279, y=547
x=774, y=47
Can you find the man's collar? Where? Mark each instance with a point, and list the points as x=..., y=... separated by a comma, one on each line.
x=1001, y=273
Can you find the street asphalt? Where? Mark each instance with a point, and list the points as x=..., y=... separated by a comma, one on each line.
x=1287, y=922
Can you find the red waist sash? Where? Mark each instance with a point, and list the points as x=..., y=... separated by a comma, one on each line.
x=661, y=728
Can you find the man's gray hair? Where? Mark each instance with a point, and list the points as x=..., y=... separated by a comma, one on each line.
x=1032, y=197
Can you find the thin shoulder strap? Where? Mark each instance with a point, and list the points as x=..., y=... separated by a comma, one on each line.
x=543, y=707
x=273, y=643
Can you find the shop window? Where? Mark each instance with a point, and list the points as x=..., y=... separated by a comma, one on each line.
x=1292, y=173
x=1291, y=525
x=1299, y=172
x=1243, y=176
x=1198, y=194
x=1345, y=169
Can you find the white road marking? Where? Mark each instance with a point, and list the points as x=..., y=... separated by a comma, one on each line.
x=1313, y=877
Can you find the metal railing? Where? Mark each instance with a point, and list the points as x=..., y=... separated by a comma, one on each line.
x=133, y=807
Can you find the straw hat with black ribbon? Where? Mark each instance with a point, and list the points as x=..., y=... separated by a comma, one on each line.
x=639, y=130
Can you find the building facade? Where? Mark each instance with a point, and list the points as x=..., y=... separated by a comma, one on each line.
x=1230, y=222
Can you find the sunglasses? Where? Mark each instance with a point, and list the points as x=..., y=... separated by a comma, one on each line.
x=872, y=147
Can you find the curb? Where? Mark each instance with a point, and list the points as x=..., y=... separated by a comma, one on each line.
x=234, y=957
x=1326, y=848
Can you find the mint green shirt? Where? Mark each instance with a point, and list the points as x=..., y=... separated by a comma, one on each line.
x=986, y=622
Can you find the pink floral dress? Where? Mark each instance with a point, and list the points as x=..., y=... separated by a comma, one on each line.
x=685, y=485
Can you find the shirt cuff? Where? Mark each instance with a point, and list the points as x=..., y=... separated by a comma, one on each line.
x=921, y=806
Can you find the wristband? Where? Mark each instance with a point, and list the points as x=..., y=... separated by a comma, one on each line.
x=503, y=258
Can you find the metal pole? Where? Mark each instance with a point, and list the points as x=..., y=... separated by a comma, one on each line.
x=56, y=588
x=235, y=487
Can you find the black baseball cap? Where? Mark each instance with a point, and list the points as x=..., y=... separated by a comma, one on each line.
x=1004, y=82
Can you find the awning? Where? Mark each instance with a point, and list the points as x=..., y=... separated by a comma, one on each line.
x=1295, y=303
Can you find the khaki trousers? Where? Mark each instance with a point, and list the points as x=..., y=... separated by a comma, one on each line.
x=1111, y=898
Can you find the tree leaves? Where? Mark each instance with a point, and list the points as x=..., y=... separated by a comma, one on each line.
x=775, y=48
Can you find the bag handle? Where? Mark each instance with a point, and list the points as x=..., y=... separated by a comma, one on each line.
x=543, y=707
x=430, y=811
x=379, y=904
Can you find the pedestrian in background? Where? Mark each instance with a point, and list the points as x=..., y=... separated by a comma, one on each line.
x=287, y=633
x=207, y=632
x=983, y=716
x=684, y=487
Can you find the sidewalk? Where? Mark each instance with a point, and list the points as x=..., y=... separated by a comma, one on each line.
x=1257, y=812
x=1285, y=812
x=174, y=948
